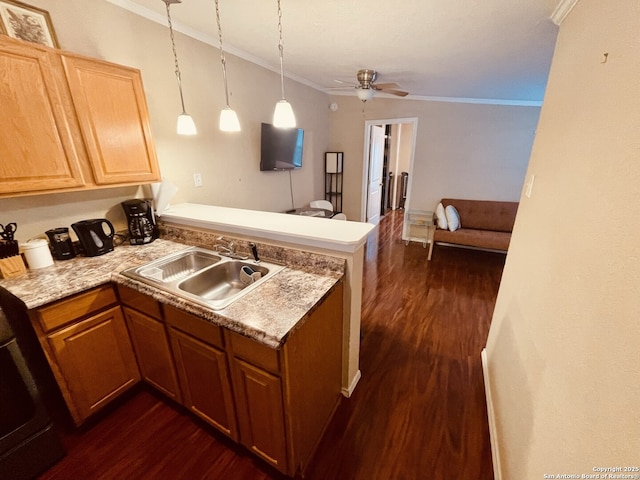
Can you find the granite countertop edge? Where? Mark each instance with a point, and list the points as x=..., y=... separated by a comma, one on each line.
x=268, y=314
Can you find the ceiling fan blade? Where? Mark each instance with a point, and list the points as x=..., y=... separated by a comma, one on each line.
x=345, y=83
x=399, y=93
x=383, y=86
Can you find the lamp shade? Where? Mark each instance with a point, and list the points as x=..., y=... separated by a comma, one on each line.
x=365, y=94
x=229, y=120
x=283, y=116
x=185, y=125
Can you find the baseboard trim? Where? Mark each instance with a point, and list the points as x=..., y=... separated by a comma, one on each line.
x=347, y=392
x=493, y=433
x=469, y=247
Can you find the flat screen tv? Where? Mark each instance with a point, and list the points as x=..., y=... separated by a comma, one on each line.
x=280, y=148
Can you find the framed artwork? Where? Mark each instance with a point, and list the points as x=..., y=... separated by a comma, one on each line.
x=24, y=22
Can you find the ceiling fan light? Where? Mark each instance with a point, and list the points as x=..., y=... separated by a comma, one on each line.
x=365, y=94
x=185, y=125
x=229, y=120
x=283, y=116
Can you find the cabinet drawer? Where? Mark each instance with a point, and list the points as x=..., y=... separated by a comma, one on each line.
x=198, y=327
x=139, y=301
x=72, y=308
x=254, y=352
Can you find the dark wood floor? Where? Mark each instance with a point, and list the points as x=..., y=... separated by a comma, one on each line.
x=418, y=411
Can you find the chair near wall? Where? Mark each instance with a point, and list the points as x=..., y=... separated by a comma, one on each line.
x=339, y=216
x=321, y=204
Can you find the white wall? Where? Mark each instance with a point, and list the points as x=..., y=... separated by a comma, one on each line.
x=462, y=150
x=228, y=163
x=563, y=349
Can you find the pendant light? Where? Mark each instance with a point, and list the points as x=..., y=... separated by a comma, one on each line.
x=228, y=119
x=283, y=116
x=185, y=125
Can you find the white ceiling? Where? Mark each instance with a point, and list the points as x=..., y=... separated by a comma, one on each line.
x=470, y=49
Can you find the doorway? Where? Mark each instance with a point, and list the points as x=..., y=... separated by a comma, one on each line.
x=379, y=176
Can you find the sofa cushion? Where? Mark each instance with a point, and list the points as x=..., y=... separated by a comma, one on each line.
x=441, y=217
x=485, y=214
x=474, y=238
x=453, y=218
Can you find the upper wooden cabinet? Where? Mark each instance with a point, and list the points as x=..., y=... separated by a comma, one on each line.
x=37, y=148
x=70, y=122
x=112, y=111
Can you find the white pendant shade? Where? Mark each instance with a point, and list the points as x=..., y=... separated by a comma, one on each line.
x=229, y=120
x=186, y=125
x=283, y=116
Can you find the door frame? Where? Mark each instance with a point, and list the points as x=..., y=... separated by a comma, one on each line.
x=366, y=160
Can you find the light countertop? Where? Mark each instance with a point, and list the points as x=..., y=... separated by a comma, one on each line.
x=302, y=230
x=267, y=314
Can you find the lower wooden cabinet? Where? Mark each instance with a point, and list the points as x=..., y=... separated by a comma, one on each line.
x=206, y=388
x=276, y=402
x=151, y=344
x=260, y=412
x=92, y=360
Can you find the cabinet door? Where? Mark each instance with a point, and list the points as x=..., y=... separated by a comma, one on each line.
x=37, y=150
x=112, y=111
x=96, y=361
x=260, y=412
x=150, y=342
x=206, y=389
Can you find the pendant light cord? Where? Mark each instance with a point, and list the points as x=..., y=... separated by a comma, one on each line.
x=222, y=57
x=175, y=55
x=281, y=48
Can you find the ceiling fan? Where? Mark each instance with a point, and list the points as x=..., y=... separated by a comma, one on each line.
x=367, y=87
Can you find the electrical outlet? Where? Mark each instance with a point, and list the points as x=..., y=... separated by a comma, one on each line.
x=197, y=180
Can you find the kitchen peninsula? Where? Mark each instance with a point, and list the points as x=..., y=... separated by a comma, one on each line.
x=245, y=369
x=336, y=238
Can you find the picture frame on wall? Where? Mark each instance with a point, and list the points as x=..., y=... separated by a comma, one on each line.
x=24, y=22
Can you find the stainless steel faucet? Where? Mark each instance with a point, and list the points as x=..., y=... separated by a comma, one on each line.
x=228, y=249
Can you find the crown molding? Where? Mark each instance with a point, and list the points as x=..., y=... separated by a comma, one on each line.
x=161, y=19
x=204, y=38
x=562, y=10
x=424, y=98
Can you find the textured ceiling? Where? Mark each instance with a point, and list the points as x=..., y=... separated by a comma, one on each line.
x=489, y=49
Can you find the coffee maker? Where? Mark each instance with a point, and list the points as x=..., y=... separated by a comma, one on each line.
x=61, y=243
x=140, y=220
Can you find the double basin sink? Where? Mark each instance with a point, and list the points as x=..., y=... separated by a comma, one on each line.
x=204, y=276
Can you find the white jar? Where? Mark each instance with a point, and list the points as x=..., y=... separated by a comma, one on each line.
x=37, y=253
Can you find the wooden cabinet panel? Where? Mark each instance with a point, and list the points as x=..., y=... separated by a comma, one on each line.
x=254, y=352
x=206, y=388
x=260, y=413
x=37, y=150
x=194, y=326
x=141, y=302
x=73, y=308
x=151, y=344
x=112, y=111
x=96, y=361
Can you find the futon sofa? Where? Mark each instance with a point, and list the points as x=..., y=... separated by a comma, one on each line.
x=483, y=224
